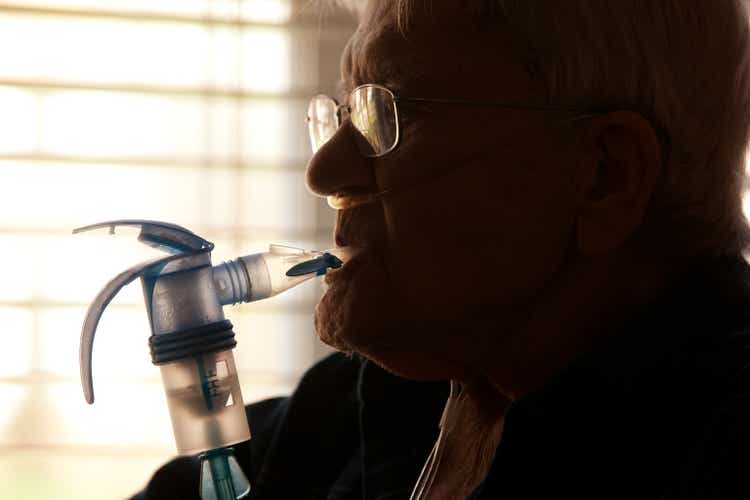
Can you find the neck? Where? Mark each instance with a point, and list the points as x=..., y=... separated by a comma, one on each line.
x=582, y=307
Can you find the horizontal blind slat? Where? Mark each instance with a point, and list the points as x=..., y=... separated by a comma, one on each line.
x=331, y=22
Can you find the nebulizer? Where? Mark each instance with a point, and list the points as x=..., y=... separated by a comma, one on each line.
x=191, y=341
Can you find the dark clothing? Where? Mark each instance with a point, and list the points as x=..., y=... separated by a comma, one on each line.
x=659, y=411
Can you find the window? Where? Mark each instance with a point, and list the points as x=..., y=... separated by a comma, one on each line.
x=187, y=111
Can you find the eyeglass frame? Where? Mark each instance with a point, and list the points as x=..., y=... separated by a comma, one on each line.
x=458, y=102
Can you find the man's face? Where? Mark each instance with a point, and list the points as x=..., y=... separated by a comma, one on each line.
x=481, y=209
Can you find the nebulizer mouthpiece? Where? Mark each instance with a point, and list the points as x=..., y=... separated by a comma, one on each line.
x=262, y=275
x=192, y=342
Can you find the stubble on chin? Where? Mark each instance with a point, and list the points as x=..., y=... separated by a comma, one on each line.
x=364, y=314
x=329, y=320
x=358, y=313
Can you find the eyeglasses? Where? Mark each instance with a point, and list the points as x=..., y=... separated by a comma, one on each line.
x=373, y=110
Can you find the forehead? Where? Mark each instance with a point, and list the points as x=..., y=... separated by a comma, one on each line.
x=445, y=50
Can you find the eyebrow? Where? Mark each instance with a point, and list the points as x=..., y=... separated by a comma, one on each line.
x=383, y=62
x=389, y=75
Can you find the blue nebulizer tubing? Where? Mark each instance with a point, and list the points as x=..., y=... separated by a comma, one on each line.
x=191, y=341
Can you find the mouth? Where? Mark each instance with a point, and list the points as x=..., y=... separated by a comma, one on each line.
x=353, y=257
x=344, y=252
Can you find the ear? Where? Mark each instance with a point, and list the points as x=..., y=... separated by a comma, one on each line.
x=617, y=177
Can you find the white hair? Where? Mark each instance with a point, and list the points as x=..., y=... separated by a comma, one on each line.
x=683, y=64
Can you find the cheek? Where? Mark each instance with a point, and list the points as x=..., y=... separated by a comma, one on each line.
x=479, y=238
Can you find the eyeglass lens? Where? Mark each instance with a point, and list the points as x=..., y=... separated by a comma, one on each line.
x=322, y=120
x=372, y=112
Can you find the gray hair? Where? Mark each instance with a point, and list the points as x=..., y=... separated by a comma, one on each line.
x=682, y=64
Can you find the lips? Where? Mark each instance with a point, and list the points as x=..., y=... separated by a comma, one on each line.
x=359, y=256
x=358, y=232
x=356, y=302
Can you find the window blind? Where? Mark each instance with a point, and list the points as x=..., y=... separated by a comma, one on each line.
x=188, y=111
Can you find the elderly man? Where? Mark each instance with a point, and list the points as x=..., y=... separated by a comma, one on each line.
x=545, y=202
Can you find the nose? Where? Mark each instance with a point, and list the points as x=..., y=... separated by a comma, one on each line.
x=339, y=167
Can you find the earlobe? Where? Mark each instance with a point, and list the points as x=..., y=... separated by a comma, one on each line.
x=618, y=177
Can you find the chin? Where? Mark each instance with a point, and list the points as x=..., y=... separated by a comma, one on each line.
x=416, y=366
x=406, y=362
x=361, y=313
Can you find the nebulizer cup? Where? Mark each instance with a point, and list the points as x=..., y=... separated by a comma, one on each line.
x=192, y=342
x=205, y=402
x=208, y=415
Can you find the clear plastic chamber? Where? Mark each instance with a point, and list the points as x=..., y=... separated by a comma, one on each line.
x=205, y=402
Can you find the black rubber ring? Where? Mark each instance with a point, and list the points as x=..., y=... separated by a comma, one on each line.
x=176, y=345
x=161, y=358
x=190, y=332
x=191, y=342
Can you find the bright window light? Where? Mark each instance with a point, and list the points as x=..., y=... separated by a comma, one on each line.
x=269, y=11
x=16, y=356
x=168, y=7
x=185, y=111
x=73, y=49
x=131, y=125
x=18, y=121
x=266, y=60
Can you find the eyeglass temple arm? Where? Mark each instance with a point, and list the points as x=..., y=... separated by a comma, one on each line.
x=510, y=105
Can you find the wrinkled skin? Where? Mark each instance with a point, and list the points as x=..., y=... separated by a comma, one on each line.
x=500, y=237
